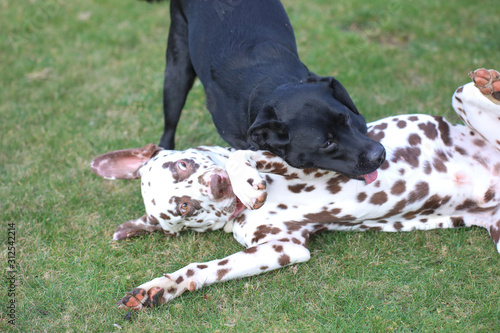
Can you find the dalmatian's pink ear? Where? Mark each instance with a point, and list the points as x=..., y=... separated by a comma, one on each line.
x=123, y=164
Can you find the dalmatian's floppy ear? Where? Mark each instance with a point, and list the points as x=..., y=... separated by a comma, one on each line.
x=123, y=164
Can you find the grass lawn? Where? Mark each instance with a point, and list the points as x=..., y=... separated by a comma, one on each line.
x=81, y=78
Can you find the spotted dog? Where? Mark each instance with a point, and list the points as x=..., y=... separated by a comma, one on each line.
x=436, y=175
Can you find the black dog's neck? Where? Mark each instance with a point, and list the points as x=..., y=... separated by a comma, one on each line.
x=268, y=74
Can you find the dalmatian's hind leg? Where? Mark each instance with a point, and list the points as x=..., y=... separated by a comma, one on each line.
x=478, y=104
x=488, y=83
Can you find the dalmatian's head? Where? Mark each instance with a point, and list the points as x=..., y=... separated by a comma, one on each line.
x=181, y=189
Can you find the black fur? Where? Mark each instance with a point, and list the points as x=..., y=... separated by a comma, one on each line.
x=260, y=95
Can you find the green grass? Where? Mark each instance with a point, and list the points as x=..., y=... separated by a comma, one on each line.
x=82, y=78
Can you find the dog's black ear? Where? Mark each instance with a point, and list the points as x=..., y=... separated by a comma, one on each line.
x=268, y=132
x=341, y=95
x=339, y=92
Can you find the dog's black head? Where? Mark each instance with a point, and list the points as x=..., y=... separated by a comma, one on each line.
x=316, y=124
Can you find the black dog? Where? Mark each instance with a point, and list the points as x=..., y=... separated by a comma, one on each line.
x=260, y=95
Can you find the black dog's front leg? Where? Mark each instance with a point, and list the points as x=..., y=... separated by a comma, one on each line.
x=179, y=75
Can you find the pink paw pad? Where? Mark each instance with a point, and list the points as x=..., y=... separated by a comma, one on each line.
x=139, y=298
x=487, y=81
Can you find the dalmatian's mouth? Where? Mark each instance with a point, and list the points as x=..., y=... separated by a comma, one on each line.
x=239, y=209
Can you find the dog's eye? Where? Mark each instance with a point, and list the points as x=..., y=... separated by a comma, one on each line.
x=329, y=146
x=182, y=165
x=184, y=207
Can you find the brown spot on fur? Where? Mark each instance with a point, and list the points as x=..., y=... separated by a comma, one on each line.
x=284, y=260
x=429, y=130
x=398, y=226
x=221, y=273
x=297, y=188
x=378, y=136
x=223, y=262
x=278, y=248
x=461, y=151
x=385, y=165
x=269, y=180
x=495, y=232
x=479, y=142
x=439, y=165
x=164, y=216
x=414, y=139
x=189, y=273
x=420, y=192
x=444, y=129
x=365, y=227
x=282, y=206
x=250, y=250
x=379, y=198
x=308, y=171
x=427, y=168
x=429, y=206
x=441, y=155
x=333, y=185
x=277, y=168
x=381, y=126
x=401, y=124
x=320, y=174
x=362, y=196
x=409, y=155
x=295, y=225
x=472, y=207
x=268, y=154
x=490, y=194
x=264, y=230
x=413, y=118
x=399, y=187
x=263, y=268
x=153, y=220
x=457, y=222
x=179, y=279
x=201, y=266
x=397, y=209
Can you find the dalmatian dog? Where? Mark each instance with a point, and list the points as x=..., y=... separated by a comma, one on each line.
x=436, y=175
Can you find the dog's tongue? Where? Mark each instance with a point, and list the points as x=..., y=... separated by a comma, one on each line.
x=239, y=208
x=371, y=177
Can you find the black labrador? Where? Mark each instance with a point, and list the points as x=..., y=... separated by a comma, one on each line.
x=260, y=95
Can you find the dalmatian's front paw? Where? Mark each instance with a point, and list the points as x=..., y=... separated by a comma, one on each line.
x=487, y=81
x=250, y=188
x=140, y=298
x=156, y=292
x=253, y=195
x=246, y=182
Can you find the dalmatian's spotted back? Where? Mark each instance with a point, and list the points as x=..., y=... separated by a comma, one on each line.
x=436, y=175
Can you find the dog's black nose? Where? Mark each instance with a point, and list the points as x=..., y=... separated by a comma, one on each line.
x=376, y=155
